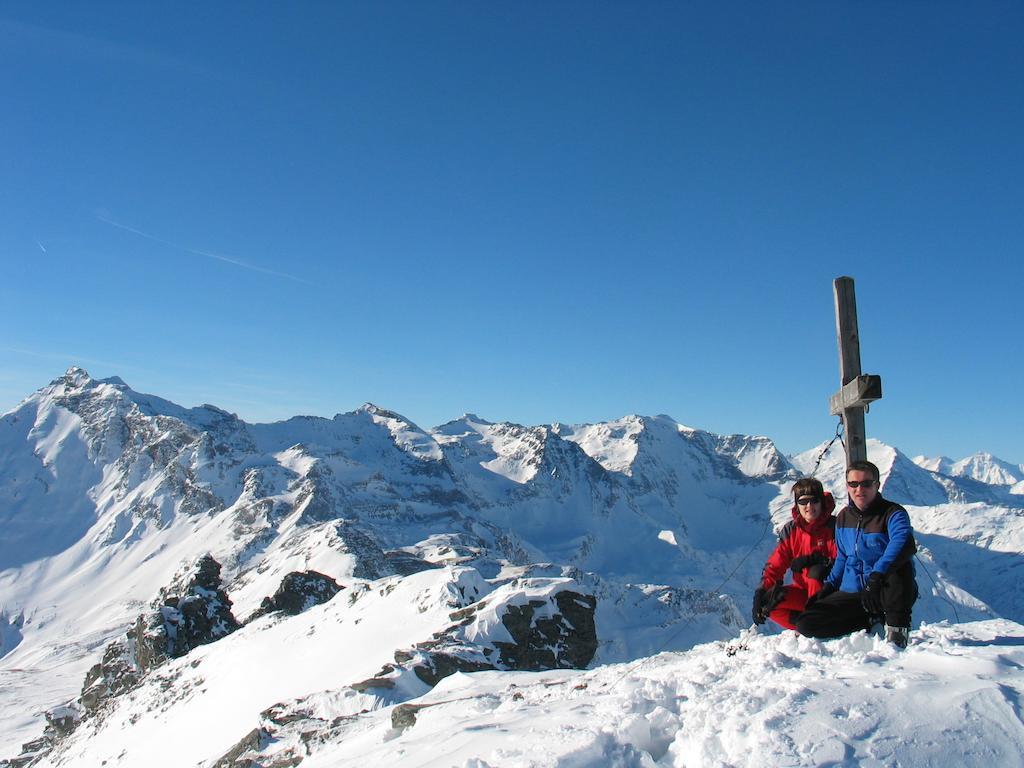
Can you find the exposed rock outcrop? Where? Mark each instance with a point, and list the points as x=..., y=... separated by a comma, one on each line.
x=405, y=563
x=190, y=616
x=299, y=591
x=546, y=628
x=194, y=610
x=566, y=639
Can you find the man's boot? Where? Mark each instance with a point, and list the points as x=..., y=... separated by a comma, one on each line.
x=898, y=636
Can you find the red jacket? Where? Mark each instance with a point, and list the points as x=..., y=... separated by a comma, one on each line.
x=800, y=538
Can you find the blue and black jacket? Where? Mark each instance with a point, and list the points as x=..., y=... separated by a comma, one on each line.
x=878, y=540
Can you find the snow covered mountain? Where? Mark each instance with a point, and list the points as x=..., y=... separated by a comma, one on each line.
x=361, y=559
x=983, y=467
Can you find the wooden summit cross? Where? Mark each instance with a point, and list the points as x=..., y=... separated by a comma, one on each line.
x=857, y=390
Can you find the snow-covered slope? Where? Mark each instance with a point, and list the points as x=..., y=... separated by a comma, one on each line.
x=106, y=493
x=952, y=698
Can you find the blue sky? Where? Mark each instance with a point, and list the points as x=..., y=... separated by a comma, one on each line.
x=534, y=212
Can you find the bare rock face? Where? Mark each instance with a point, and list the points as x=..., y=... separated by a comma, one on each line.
x=113, y=675
x=548, y=631
x=370, y=560
x=530, y=624
x=299, y=591
x=567, y=639
x=198, y=614
x=193, y=611
x=405, y=563
x=254, y=741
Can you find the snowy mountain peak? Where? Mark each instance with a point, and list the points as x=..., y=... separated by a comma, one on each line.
x=987, y=468
x=613, y=444
x=73, y=380
x=373, y=409
x=466, y=423
x=754, y=456
x=405, y=434
x=75, y=376
x=981, y=466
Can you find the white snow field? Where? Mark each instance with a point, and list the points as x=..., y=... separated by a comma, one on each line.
x=108, y=495
x=952, y=698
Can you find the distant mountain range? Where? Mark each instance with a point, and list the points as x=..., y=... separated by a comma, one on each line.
x=983, y=467
x=438, y=542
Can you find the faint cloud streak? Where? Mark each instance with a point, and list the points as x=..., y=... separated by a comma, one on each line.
x=69, y=359
x=50, y=41
x=219, y=257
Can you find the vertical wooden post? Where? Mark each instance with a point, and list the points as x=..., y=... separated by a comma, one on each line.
x=849, y=365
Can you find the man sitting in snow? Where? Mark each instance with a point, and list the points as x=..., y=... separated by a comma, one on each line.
x=873, y=575
x=806, y=547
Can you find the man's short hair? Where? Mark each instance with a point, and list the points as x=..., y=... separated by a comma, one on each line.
x=808, y=486
x=864, y=466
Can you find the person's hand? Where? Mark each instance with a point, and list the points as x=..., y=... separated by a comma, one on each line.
x=765, y=601
x=820, y=570
x=824, y=592
x=806, y=561
x=757, y=610
x=871, y=595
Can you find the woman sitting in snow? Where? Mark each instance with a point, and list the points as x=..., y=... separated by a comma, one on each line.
x=807, y=547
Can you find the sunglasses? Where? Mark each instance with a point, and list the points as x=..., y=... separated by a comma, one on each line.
x=860, y=483
x=806, y=500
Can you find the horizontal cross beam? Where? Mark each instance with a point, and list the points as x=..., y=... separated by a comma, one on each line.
x=857, y=394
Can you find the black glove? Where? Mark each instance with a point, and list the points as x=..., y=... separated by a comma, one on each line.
x=805, y=561
x=825, y=591
x=871, y=595
x=765, y=601
x=820, y=571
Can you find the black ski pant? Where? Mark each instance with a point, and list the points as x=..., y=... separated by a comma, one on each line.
x=842, y=613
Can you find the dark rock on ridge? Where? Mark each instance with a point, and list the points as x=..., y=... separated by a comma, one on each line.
x=299, y=591
x=196, y=615
x=193, y=612
x=405, y=563
x=566, y=640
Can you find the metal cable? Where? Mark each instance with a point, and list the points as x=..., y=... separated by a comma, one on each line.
x=951, y=603
x=839, y=437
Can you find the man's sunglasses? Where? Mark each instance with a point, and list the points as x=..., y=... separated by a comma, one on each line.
x=805, y=500
x=860, y=483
